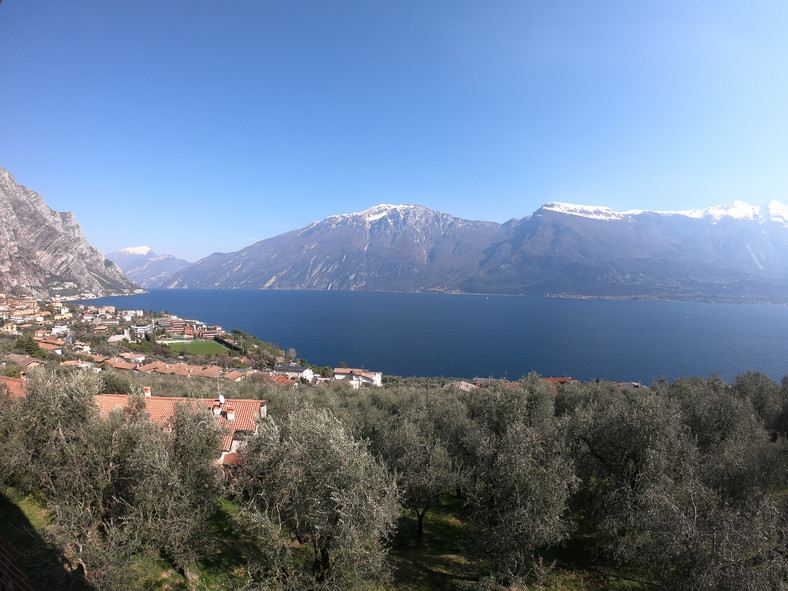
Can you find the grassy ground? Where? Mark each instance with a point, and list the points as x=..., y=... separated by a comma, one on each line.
x=443, y=559
x=23, y=522
x=438, y=560
x=198, y=347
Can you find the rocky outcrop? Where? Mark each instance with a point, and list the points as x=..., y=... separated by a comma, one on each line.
x=45, y=253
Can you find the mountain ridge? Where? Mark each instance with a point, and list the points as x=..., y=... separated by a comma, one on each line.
x=723, y=253
x=143, y=266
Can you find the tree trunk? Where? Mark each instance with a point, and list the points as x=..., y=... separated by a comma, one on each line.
x=322, y=565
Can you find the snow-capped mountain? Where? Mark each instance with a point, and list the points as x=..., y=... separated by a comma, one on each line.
x=387, y=247
x=145, y=267
x=731, y=253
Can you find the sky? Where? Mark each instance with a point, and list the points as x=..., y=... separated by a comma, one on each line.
x=195, y=126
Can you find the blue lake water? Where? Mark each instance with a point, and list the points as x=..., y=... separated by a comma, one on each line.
x=496, y=336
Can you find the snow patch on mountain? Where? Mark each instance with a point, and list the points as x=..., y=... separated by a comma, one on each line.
x=778, y=212
x=738, y=210
x=137, y=250
x=586, y=211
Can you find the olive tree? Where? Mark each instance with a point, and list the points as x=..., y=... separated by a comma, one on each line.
x=523, y=477
x=310, y=488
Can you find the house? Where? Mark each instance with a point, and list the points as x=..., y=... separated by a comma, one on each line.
x=24, y=360
x=295, y=372
x=357, y=377
x=209, y=371
x=460, y=385
x=78, y=363
x=119, y=363
x=282, y=381
x=235, y=375
x=133, y=357
x=51, y=345
x=238, y=416
x=151, y=367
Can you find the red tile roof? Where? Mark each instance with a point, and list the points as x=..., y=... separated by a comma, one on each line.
x=118, y=363
x=234, y=375
x=151, y=367
x=49, y=346
x=211, y=371
x=161, y=409
x=16, y=386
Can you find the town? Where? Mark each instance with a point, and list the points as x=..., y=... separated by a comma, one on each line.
x=101, y=337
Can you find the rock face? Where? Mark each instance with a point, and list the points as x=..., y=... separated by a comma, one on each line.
x=144, y=267
x=45, y=254
x=733, y=253
x=406, y=247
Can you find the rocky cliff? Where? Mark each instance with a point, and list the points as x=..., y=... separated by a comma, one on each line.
x=45, y=254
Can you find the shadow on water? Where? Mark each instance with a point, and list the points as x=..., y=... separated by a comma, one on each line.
x=33, y=561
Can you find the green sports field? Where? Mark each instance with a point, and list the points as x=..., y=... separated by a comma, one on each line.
x=198, y=347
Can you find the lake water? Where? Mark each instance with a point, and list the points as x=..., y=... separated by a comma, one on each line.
x=496, y=336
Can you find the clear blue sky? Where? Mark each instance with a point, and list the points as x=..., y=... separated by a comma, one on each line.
x=197, y=126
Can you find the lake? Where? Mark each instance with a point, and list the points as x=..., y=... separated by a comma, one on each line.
x=466, y=336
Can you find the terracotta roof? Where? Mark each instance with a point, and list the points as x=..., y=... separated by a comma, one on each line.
x=161, y=409
x=118, y=363
x=232, y=459
x=281, y=380
x=183, y=369
x=24, y=360
x=150, y=367
x=211, y=371
x=50, y=341
x=234, y=375
x=49, y=346
x=16, y=386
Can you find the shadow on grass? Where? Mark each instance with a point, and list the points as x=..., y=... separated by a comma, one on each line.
x=441, y=558
x=46, y=569
x=575, y=560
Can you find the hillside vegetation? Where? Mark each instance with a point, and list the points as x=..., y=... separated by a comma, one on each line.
x=413, y=486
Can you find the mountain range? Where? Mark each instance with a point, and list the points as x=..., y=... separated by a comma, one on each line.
x=144, y=267
x=736, y=253
x=726, y=253
x=45, y=254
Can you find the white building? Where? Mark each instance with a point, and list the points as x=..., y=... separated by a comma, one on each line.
x=295, y=372
x=356, y=377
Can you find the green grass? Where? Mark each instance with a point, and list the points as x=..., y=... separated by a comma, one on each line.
x=438, y=560
x=444, y=558
x=198, y=347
